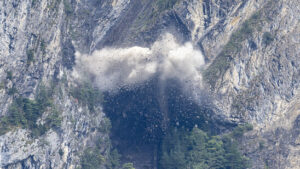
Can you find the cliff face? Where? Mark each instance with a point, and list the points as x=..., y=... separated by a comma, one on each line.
x=251, y=49
x=37, y=49
x=260, y=85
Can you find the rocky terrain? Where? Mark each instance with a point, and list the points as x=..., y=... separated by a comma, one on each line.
x=251, y=49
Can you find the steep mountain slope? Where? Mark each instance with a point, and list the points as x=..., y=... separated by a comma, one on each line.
x=251, y=49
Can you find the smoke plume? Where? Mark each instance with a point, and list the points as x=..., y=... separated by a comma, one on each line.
x=114, y=68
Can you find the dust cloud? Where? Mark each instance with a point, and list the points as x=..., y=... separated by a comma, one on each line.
x=114, y=68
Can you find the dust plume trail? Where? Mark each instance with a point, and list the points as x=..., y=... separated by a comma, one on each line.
x=114, y=68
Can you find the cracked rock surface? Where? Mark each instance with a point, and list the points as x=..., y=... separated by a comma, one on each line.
x=258, y=84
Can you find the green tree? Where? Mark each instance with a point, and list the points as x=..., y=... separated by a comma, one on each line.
x=182, y=149
x=215, y=152
x=173, y=151
x=128, y=166
x=234, y=160
x=24, y=113
x=9, y=75
x=91, y=159
x=114, y=160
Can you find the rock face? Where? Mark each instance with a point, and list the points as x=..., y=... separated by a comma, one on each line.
x=251, y=49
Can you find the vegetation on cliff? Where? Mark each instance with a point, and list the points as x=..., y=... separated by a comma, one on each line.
x=24, y=113
x=195, y=149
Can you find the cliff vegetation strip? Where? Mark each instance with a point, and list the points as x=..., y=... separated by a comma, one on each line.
x=222, y=62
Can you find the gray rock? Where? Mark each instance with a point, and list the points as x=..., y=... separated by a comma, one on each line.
x=259, y=85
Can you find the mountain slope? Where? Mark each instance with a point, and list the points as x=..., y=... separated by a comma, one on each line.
x=252, y=71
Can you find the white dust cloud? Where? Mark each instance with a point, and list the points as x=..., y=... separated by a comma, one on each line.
x=113, y=68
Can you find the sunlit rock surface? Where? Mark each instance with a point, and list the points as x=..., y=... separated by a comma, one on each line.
x=257, y=83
